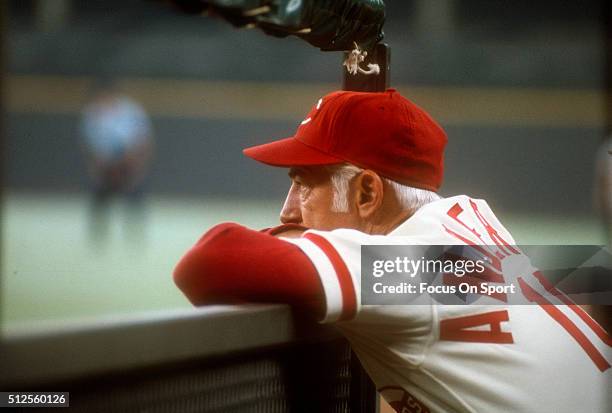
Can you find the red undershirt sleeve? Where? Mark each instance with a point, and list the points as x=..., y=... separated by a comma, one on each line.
x=231, y=263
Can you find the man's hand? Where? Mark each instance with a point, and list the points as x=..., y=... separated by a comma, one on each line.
x=286, y=231
x=290, y=233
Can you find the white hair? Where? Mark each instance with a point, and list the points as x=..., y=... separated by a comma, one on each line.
x=409, y=198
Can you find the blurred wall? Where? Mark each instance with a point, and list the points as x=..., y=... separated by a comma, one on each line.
x=517, y=85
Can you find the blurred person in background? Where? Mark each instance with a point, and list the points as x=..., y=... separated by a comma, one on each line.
x=118, y=145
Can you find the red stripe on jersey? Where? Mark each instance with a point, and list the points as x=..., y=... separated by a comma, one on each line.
x=532, y=295
x=349, y=298
x=597, y=329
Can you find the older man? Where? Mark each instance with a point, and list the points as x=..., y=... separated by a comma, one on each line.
x=365, y=169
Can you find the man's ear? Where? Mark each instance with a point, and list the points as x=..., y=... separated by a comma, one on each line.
x=368, y=193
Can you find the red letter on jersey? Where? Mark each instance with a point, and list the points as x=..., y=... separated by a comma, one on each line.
x=492, y=231
x=458, y=329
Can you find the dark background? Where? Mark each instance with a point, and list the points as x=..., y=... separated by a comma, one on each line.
x=482, y=45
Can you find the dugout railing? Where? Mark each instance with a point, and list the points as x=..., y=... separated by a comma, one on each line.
x=218, y=359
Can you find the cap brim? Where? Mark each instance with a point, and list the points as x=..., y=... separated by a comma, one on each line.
x=289, y=152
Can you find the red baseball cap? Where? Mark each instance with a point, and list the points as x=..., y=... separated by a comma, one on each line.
x=384, y=132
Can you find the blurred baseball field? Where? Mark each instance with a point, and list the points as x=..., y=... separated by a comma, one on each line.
x=52, y=271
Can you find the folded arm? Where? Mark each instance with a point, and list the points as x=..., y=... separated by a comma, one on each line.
x=231, y=263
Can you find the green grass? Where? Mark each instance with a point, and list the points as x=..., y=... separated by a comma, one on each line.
x=51, y=272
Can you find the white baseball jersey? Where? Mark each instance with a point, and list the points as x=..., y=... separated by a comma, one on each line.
x=468, y=358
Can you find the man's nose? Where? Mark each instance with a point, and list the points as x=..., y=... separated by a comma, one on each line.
x=290, y=214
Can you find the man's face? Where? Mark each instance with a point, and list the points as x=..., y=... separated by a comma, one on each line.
x=309, y=201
